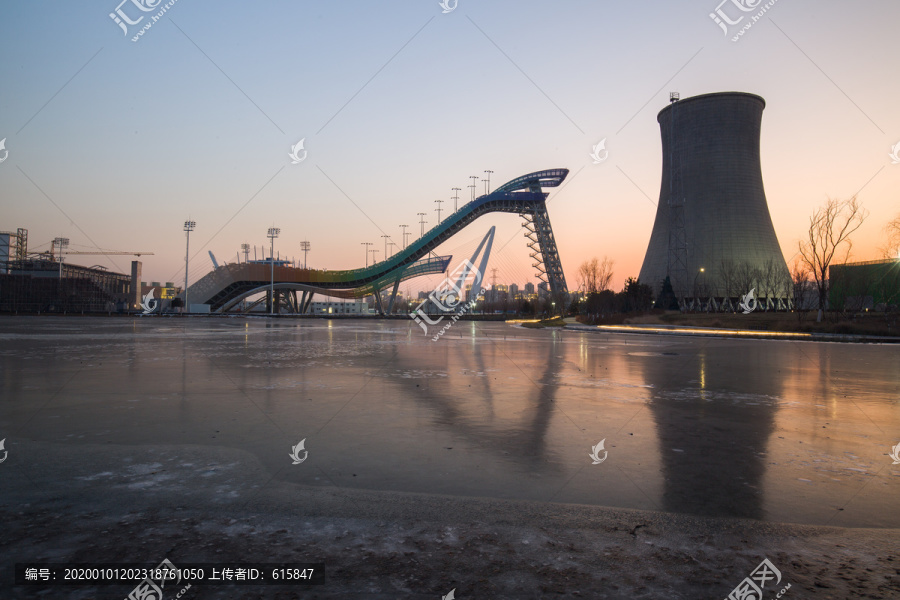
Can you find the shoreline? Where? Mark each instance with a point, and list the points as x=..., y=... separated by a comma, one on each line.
x=384, y=544
x=389, y=545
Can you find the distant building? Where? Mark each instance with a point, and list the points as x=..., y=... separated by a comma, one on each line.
x=37, y=285
x=357, y=307
x=529, y=289
x=871, y=285
x=513, y=291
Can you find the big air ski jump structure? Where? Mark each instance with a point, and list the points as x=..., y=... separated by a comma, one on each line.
x=713, y=235
x=226, y=286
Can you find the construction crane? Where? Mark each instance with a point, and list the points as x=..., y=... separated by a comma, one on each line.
x=110, y=253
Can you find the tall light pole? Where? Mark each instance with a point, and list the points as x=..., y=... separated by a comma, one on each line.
x=188, y=228
x=386, y=238
x=366, y=244
x=487, y=182
x=305, y=246
x=245, y=248
x=403, y=229
x=61, y=243
x=273, y=233
x=391, y=244
x=474, y=178
x=701, y=270
x=422, y=223
x=455, y=198
x=438, y=209
x=374, y=252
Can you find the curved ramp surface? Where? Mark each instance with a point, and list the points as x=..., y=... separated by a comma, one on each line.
x=225, y=286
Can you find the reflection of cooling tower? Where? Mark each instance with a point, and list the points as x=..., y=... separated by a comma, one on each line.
x=713, y=232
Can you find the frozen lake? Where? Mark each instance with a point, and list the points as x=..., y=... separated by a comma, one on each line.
x=773, y=430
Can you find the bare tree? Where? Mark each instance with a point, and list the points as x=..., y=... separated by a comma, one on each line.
x=587, y=276
x=727, y=278
x=829, y=239
x=605, y=274
x=771, y=281
x=891, y=248
x=746, y=277
x=595, y=275
x=800, y=284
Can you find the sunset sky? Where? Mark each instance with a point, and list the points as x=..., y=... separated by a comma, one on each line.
x=115, y=143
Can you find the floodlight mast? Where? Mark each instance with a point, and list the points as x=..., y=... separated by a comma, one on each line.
x=366, y=244
x=487, y=182
x=403, y=229
x=305, y=246
x=273, y=233
x=61, y=243
x=422, y=222
x=188, y=228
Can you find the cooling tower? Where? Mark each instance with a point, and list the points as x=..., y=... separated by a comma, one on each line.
x=713, y=235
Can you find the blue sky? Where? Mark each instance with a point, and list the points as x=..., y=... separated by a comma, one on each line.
x=115, y=143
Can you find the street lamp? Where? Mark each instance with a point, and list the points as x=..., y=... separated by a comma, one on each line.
x=438, y=209
x=474, y=178
x=403, y=229
x=273, y=233
x=188, y=228
x=456, y=192
x=696, y=292
x=386, y=238
x=245, y=248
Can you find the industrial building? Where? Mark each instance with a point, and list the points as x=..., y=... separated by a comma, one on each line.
x=870, y=285
x=38, y=283
x=713, y=235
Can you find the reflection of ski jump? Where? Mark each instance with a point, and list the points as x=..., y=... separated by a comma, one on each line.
x=225, y=287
